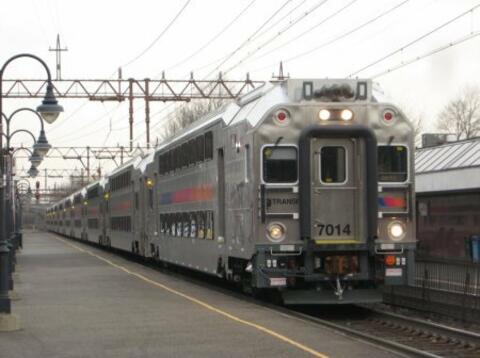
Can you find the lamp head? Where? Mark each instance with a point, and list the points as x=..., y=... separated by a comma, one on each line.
x=35, y=158
x=33, y=172
x=42, y=146
x=49, y=109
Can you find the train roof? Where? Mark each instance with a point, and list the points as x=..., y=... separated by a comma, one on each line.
x=142, y=164
x=132, y=162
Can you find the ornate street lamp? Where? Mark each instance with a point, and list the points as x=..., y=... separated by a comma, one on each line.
x=42, y=146
x=33, y=171
x=49, y=109
x=35, y=158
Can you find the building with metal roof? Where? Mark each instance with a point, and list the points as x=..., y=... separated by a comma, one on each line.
x=448, y=198
x=448, y=167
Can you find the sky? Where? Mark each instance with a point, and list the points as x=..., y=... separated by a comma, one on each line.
x=313, y=38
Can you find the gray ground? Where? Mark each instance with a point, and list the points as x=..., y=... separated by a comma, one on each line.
x=75, y=305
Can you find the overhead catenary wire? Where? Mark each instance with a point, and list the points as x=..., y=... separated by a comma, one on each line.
x=279, y=33
x=310, y=29
x=342, y=36
x=249, y=38
x=428, y=54
x=411, y=43
x=225, y=58
x=212, y=39
x=159, y=36
x=78, y=133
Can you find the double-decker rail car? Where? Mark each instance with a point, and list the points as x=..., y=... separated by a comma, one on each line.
x=119, y=206
x=77, y=214
x=144, y=201
x=304, y=187
x=92, y=206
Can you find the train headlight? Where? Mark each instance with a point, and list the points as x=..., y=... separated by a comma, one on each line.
x=276, y=232
x=149, y=183
x=396, y=230
x=346, y=115
x=324, y=114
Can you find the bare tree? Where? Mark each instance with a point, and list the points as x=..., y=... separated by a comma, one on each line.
x=416, y=119
x=188, y=113
x=461, y=116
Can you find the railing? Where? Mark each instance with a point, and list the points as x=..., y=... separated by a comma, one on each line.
x=448, y=275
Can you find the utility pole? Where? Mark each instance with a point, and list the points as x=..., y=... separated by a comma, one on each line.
x=58, y=57
x=88, y=164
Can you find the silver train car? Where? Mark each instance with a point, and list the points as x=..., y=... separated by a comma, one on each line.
x=301, y=187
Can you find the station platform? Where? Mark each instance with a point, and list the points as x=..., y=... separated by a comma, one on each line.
x=79, y=301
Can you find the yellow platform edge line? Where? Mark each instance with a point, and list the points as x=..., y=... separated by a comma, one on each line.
x=209, y=307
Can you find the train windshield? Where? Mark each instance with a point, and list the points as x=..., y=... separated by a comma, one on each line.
x=280, y=164
x=392, y=163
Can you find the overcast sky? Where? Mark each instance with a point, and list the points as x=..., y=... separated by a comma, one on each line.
x=314, y=38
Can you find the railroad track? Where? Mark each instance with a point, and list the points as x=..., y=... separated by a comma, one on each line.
x=400, y=334
x=407, y=335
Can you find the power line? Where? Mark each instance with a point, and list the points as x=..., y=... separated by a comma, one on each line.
x=279, y=33
x=331, y=16
x=159, y=36
x=338, y=38
x=226, y=58
x=250, y=38
x=428, y=54
x=217, y=35
x=414, y=41
x=281, y=19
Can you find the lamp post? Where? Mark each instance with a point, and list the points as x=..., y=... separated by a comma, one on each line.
x=49, y=110
x=36, y=159
x=9, y=199
x=18, y=207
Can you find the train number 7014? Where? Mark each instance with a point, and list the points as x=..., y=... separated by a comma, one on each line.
x=333, y=230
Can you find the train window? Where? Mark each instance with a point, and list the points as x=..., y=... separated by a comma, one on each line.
x=176, y=158
x=178, y=219
x=162, y=223
x=209, y=226
x=201, y=225
x=280, y=164
x=191, y=152
x=136, y=201
x=173, y=225
x=392, y=163
x=193, y=225
x=200, y=148
x=186, y=225
x=183, y=155
x=208, y=145
x=333, y=165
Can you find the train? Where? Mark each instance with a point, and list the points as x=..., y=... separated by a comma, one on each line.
x=303, y=188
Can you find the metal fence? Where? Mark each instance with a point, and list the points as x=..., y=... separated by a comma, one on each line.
x=448, y=275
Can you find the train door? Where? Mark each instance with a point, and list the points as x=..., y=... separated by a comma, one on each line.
x=337, y=199
x=146, y=201
x=138, y=203
x=221, y=203
x=102, y=222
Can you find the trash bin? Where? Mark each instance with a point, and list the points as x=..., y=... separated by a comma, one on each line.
x=475, y=247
